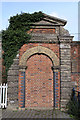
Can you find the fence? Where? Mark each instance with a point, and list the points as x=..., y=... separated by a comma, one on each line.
x=3, y=95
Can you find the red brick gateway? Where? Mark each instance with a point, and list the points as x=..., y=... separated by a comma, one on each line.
x=43, y=72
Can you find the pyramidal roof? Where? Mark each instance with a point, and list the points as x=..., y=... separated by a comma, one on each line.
x=51, y=21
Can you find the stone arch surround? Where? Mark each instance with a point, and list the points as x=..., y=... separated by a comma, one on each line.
x=23, y=67
x=39, y=49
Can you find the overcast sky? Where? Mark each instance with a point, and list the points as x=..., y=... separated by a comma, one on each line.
x=64, y=10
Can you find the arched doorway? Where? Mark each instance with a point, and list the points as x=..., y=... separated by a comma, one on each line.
x=23, y=72
x=39, y=82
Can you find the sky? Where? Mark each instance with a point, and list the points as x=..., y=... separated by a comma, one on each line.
x=64, y=10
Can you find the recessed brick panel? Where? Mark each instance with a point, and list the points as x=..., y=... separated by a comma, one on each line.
x=43, y=30
x=39, y=82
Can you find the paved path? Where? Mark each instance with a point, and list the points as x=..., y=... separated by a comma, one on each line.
x=34, y=114
x=0, y=114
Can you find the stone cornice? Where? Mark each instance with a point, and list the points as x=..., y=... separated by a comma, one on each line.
x=50, y=20
x=55, y=18
x=65, y=39
x=52, y=38
x=44, y=41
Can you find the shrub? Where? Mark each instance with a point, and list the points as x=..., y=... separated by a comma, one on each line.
x=73, y=106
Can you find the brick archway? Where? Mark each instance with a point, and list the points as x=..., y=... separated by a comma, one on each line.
x=23, y=66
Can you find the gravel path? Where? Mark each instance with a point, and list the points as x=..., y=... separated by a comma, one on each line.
x=0, y=114
x=26, y=114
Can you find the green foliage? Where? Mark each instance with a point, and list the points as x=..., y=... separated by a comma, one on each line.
x=16, y=35
x=74, y=108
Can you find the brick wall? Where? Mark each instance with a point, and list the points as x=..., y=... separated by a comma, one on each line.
x=75, y=62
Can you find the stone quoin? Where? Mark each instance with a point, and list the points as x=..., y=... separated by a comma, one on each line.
x=46, y=69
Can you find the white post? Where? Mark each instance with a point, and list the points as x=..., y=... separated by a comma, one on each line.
x=6, y=97
x=3, y=93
